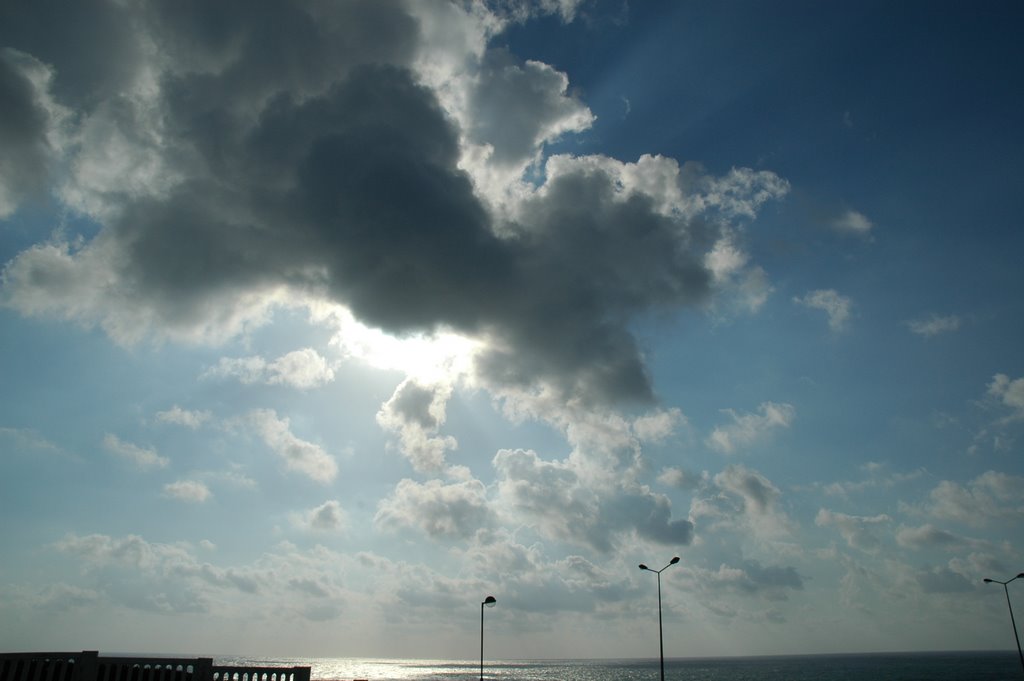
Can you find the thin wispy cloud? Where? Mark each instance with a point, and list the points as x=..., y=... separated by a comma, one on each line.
x=934, y=325
x=929, y=536
x=303, y=369
x=853, y=222
x=747, y=429
x=877, y=477
x=19, y=440
x=143, y=457
x=860, y=532
x=297, y=454
x=978, y=502
x=190, y=491
x=184, y=417
x=836, y=306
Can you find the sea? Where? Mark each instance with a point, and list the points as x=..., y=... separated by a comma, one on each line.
x=932, y=666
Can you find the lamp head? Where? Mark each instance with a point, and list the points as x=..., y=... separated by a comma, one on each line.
x=987, y=580
x=674, y=561
x=1020, y=576
x=644, y=567
x=489, y=601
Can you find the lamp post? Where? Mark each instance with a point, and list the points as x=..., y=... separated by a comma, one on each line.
x=661, y=640
x=1012, y=621
x=489, y=602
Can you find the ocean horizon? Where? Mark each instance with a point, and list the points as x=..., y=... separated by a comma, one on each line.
x=887, y=666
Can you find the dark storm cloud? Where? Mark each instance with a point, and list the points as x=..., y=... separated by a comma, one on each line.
x=358, y=186
x=233, y=50
x=297, y=147
x=92, y=44
x=409, y=244
x=591, y=262
x=185, y=253
x=268, y=43
x=25, y=156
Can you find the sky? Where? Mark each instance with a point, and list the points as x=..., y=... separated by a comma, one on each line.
x=323, y=320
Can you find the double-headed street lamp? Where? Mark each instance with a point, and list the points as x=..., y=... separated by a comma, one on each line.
x=661, y=640
x=489, y=602
x=1014, y=623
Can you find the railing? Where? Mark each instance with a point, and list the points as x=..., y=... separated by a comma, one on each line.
x=221, y=673
x=41, y=666
x=89, y=666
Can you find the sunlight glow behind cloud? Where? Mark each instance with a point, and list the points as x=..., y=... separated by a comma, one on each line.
x=320, y=320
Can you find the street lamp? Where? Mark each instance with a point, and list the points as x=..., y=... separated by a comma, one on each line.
x=661, y=640
x=1014, y=623
x=489, y=602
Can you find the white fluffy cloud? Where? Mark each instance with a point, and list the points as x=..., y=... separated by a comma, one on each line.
x=436, y=508
x=327, y=517
x=415, y=413
x=550, y=495
x=564, y=500
x=302, y=369
x=1009, y=392
x=514, y=107
x=657, y=425
x=679, y=478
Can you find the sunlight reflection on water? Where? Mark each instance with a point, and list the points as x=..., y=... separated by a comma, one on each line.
x=336, y=669
x=953, y=666
x=340, y=669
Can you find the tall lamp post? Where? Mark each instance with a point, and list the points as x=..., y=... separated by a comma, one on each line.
x=661, y=640
x=489, y=602
x=1012, y=621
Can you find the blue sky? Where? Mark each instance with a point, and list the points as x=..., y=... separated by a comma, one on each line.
x=322, y=321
